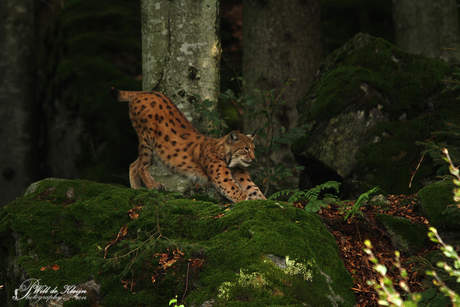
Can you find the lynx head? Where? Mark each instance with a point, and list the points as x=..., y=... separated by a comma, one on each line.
x=239, y=149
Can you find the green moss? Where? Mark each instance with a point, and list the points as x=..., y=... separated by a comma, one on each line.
x=367, y=72
x=339, y=88
x=221, y=253
x=63, y=230
x=402, y=79
x=409, y=237
x=388, y=162
x=437, y=202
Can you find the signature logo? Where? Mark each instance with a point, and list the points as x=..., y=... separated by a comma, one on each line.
x=31, y=289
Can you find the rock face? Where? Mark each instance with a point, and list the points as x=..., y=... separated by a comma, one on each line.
x=116, y=246
x=362, y=117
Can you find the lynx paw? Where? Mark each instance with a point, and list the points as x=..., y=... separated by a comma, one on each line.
x=159, y=187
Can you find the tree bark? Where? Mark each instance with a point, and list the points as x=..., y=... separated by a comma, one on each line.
x=18, y=145
x=427, y=27
x=181, y=58
x=281, y=41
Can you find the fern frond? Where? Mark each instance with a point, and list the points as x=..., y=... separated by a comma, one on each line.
x=360, y=202
x=298, y=195
x=278, y=194
x=310, y=195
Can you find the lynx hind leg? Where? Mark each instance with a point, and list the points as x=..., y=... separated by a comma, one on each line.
x=134, y=178
x=140, y=169
x=242, y=178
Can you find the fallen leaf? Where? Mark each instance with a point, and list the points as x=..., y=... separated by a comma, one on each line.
x=133, y=212
x=350, y=237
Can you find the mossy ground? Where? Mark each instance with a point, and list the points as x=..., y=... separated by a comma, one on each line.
x=174, y=245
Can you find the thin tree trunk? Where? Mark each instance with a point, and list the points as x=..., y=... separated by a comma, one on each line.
x=281, y=41
x=18, y=116
x=181, y=58
x=427, y=26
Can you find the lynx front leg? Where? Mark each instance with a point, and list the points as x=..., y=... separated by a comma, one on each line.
x=222, y=180
x=241, y=176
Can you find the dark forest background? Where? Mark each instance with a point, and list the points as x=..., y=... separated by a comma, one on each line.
x=61, y=122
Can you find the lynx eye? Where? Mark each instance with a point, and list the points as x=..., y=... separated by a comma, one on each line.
x=247, y=149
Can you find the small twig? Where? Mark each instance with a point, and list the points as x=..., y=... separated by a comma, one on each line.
x=186, y=284
x=415, y=172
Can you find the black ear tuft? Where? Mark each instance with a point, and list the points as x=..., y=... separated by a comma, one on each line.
x=114, y=93
x=251, y=136
x=233, y=137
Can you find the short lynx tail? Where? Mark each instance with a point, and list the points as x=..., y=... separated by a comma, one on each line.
x=121, y=95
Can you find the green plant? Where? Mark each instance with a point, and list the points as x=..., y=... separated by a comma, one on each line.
x=455, y=172
x=311, y=196
x=388, y=295
x=217, y=125
x=262, y=109
x=361, y=202
x=173, y=303
x=449, y=252
x=455, y=74
x=447, y=138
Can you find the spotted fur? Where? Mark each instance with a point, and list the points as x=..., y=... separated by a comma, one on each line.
x=166, y=134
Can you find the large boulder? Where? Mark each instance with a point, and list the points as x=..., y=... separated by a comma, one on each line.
x=114, y=246
x=370, y=104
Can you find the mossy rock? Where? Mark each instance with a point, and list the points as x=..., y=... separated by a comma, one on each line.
x=407, y=236
x=436, y=201
x=159, y=245
x=363, y=116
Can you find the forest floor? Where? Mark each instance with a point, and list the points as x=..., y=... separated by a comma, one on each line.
x=350, y=235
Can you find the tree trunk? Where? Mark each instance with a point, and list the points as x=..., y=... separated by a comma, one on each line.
x=281, y=41
x=427, y=26
x=18, y=145
x=180, y=58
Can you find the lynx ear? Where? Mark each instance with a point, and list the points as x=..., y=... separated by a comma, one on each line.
x=253, y=135
x=233, y=136
x=114, y=92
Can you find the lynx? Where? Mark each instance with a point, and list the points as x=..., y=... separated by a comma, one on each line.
x=166, y=134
